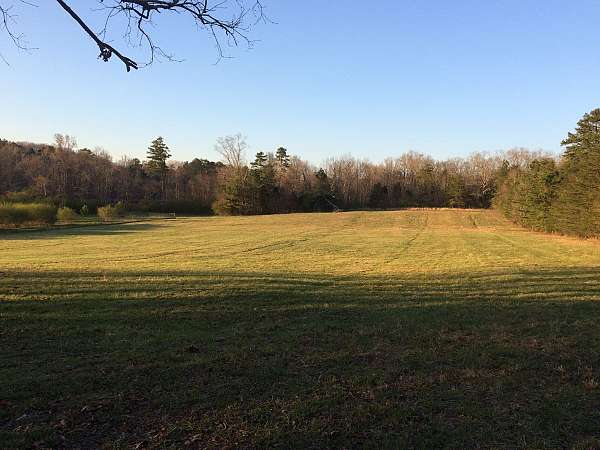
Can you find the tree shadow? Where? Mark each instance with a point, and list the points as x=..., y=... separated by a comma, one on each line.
x=74, y=231
x=301, y=359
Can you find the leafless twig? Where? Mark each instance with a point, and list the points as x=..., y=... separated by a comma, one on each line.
x=226, y=21
x=223, y=19
x=7, y=20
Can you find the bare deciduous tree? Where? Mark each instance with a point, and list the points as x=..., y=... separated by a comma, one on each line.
x=232, y=149
x=65, y=141
x=226, y=21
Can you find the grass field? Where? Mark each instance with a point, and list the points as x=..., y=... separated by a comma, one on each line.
x=410, y=329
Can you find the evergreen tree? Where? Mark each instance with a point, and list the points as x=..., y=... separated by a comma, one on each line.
x=263, y=177
x=235, y=197
x=427, y=184
x=282, y=157
x=563, y=198
x=322, y=198
x=577, y=206
x=157, y=154
x=507, y=178
x=456, y=192
x=537, y=191
x=259, y=162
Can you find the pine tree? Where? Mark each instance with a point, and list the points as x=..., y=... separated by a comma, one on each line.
x=263, y=177
x=456, y=192
x=259, y=162
x=282, y=157
x=236, y=197
x=506, y=197
x=322, y=198
x=537, y=193
x=157, y=154
x=577, y=206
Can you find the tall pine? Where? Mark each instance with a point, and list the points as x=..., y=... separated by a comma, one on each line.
x=282, y=157
x=158, y=154
x=263, y=177
x=577, y=206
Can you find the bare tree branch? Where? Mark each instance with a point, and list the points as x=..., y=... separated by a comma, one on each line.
x=226, y=21
x=7, y=20
x=106, y=50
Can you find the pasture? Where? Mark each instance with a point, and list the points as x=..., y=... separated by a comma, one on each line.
x=407, y=329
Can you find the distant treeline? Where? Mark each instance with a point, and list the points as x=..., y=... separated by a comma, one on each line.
x=534, y=189
x=65, y=176
x=557, y=195
x=272, y=183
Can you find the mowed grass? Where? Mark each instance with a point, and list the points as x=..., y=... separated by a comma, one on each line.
x=408, y=329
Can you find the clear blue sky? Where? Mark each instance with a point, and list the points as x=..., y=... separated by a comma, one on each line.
x=373, y=79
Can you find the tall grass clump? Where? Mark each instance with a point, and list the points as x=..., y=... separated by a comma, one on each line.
x=17, y=214
x=110, y=212
x=66, y=214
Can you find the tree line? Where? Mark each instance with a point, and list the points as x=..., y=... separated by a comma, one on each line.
x=67, y=176
x=535, y=189
x=270, y=182
x=560, y=195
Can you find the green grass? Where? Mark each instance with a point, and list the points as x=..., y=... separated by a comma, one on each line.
x=410, y=329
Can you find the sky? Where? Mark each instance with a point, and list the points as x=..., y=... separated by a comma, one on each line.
x=325, y=78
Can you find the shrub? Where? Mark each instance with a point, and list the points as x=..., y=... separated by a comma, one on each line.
x=12, y=214
x=85, y=210
x=27, y=195
x=66, y=214
x=109, y=212
x=16, y=214
x=42, y=213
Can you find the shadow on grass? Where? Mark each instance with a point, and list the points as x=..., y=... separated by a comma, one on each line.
x=234, y=359
x=97, y=229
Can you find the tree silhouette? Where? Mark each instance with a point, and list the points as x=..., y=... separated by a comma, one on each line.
x=226, y=21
